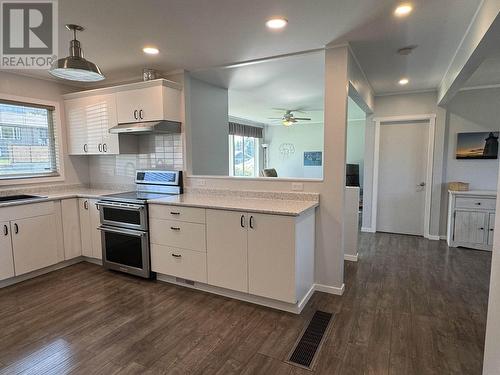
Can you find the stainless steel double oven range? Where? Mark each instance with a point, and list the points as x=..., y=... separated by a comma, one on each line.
x=124, y=221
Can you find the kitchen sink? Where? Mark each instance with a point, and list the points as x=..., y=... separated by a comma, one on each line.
x=18, y=197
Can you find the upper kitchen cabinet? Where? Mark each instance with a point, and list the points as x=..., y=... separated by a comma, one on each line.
x=90, y=114
x=153, y=101
x=89, y=119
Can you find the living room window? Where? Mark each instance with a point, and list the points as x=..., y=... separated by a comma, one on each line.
x=27, y=140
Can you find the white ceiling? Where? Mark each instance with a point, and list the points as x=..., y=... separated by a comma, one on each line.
x=194, y=34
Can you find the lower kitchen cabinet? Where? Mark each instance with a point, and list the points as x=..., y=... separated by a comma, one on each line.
x=227, y=254
x=34, y=243
x=6, y=256
x=70, y=213
x=264, y=255
x=90, y=235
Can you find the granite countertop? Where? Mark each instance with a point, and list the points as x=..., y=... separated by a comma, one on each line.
x=62, y=194
x=237, y=203
x=474, y=192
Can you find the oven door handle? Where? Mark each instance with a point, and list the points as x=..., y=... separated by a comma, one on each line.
x=131, y=232
x=120, y=205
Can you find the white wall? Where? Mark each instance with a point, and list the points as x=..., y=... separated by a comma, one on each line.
x=207, y=106
x=469, y=111
x=76, y=167
x=356, y=145
x=304, y=137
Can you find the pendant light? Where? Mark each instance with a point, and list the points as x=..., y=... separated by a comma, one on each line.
x=75, y=67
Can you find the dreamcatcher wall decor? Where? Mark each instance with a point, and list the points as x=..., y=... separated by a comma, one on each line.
x=286, y=150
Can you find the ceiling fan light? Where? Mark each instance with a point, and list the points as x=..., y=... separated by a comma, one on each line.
x=287, y=122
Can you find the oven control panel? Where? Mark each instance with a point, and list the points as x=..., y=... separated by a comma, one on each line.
x=159, y=177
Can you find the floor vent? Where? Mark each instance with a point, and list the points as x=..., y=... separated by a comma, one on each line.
x=308, y=345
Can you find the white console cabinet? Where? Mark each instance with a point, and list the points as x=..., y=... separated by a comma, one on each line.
x=471, y=219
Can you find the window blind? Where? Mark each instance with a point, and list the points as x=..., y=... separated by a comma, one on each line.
x=244, y=130
x=28, y=143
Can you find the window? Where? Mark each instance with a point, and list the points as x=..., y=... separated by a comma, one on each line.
x=27, y=140
x=243, y=156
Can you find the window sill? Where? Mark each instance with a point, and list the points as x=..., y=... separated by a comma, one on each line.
x=28, y=180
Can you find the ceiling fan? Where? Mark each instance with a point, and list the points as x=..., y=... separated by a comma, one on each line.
x=288, y=118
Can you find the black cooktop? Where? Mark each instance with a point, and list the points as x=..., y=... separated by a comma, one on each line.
x=133, y=196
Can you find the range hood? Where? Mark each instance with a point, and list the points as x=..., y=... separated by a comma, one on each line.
x=147, y=127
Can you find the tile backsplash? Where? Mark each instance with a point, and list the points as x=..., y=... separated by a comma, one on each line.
x=155, y=151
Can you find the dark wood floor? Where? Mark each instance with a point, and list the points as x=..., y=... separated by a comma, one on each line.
x=411, y=306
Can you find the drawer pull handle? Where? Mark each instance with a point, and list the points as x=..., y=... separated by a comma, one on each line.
x=481, y=228
x=491, y=229
x=174, y=213
x=176, y=255
x=175, y=228
x=477, y=203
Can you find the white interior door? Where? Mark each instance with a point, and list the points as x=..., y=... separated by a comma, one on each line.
x=402, y=178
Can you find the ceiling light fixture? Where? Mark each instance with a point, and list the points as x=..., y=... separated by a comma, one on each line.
x=403, y=10
x=404, y=81
x=151, y=50
x=276, y=23
x=75, y=67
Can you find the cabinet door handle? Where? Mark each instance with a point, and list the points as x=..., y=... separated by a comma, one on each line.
x=85, y=148
x=141, y=114
x=174, y=213
x=242, y=221
x=175, y=228
x=5, y=230
x=491, y=229
x=136, y=114
x=176, y=255
x=16, y=228
x=99, y=147
x=86, y=205
x=481, y=228
x=251, y=222
x=105, y=147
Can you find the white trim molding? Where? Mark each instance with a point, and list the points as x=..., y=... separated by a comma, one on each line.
x=431, y=118
x=433, y=237
x=368, y=229
x=351, y=258
x=330, y=289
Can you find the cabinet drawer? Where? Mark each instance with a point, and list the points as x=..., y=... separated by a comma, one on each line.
x=189, y=214
x=187, y=264
x=475, y=203
x=178, y=234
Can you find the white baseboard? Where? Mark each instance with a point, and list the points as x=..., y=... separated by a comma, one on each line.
x=368, y=230
x=263, y=301
x=43, y=271
x=330, y=289
x=433, y=237
x=443, y=237
x=351, y=258
x=92, y=260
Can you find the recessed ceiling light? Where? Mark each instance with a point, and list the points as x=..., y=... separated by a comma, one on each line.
x=276, y=23
x=151, y=50
x=403, y=10
x=403, y=81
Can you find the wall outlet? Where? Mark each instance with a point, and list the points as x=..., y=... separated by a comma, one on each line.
x=297, y=186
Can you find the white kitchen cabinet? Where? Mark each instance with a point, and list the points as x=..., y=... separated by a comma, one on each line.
x=471, y=219
x=491, y=229
x=153, y=101
x=71, y=228
x=34, y=243
x=6, y=256
x=89, y=119
x=184, y=263
x=227, y=254
x=89, y=222
x=271, y=257
x=95, y=233
x=85, y=228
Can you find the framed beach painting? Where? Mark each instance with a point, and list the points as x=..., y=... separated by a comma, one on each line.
x=479, y=145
